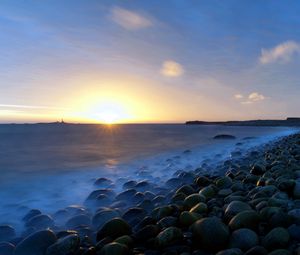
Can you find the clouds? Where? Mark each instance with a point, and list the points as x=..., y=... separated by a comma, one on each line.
x=251, y=98
x=129, y=20
x=281, y=53
x=171, y=68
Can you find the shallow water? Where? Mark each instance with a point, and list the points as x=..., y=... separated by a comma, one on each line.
x=52, y=166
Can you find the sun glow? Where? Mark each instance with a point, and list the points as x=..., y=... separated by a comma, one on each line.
x=108, y=112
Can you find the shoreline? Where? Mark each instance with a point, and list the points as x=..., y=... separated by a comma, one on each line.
x=192, y=198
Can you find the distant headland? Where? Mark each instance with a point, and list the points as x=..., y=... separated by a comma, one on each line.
x=291, y=121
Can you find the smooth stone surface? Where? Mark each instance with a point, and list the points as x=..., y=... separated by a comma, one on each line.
x=169, y=236
x=7, y=233
x=243, y=239
x=114, y=248
x=64, y=246
x=234, y=208
x=41, y=221
x=232, y=251
x=277, y=238
x=257, y=250
x=245, y=219
x=103, y=216
x=6, y=248
x=114, y=228
x=36, y=244
x=210, y=234
x=78, y=220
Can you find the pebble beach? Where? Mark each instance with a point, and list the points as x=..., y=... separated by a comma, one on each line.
x=252, y=206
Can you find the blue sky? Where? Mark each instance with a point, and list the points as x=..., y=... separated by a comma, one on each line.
x=149, y=61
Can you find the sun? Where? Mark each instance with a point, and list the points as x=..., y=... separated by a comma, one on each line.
x=107, y=111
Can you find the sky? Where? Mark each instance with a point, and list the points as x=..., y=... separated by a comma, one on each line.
x=149, y=61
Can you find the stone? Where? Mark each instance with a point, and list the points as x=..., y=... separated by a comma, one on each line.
x=64, y=246
x=169, y=236
x=257, y=250
x=7, y=233
x=277, y=238
x=41, y=221
x=78, y=220
x=114, y=228
x=246, y=219
x=234, y=208
x=208, y=192
x=192, y=200
x=188, y=218
x=36, y=244
x=199, y=208
x=210, y=234
x=6, y=248
x=103, y=216
x=114, y=248
x=232, y=251
x=243, y=239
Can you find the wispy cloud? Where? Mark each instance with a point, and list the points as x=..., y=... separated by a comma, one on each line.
x=281, y=53
x=172, y=68
x=238, y=96
x=251, y=98
x=129, y=20
x=30, y=107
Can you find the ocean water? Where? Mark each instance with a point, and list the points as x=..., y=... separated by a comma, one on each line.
x=52, y=166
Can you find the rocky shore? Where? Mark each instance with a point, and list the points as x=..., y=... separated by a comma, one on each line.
x=252, y=207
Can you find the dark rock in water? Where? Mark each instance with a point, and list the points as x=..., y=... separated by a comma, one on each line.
x=232, y=251
x=280, y=252
x=173, y=182
x=186, y=219
x=202, y=181
x=36, y=244
x=186, y=189
x=129, y=185
x=245, y=219
x=161, y=212
x=224, y=136
x=103, y=216
x=210, y=234
x=126, y=195
x=41, y=221
x=294, y=231
x=208, y=192
x=169, y=236
x=295, y=214
x=114, y=249
x=146, y=233
x=191, y=200
x=234, y=208
x=78, y=220
x=257, y=250
x=200, y=208
x=168, y=221
x=103, y=182
x=126, y=240
x=134, y=215
x=64, y=233
x=277, y=238
x=7, y=233
x=7, y=248
x=243, y=239
x=30, y=214
x=258, y=169
x=114, y=228
x=142, y=186
x=94, y=194
x=66, y=245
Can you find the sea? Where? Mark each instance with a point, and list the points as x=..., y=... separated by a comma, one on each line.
x=51, y=166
